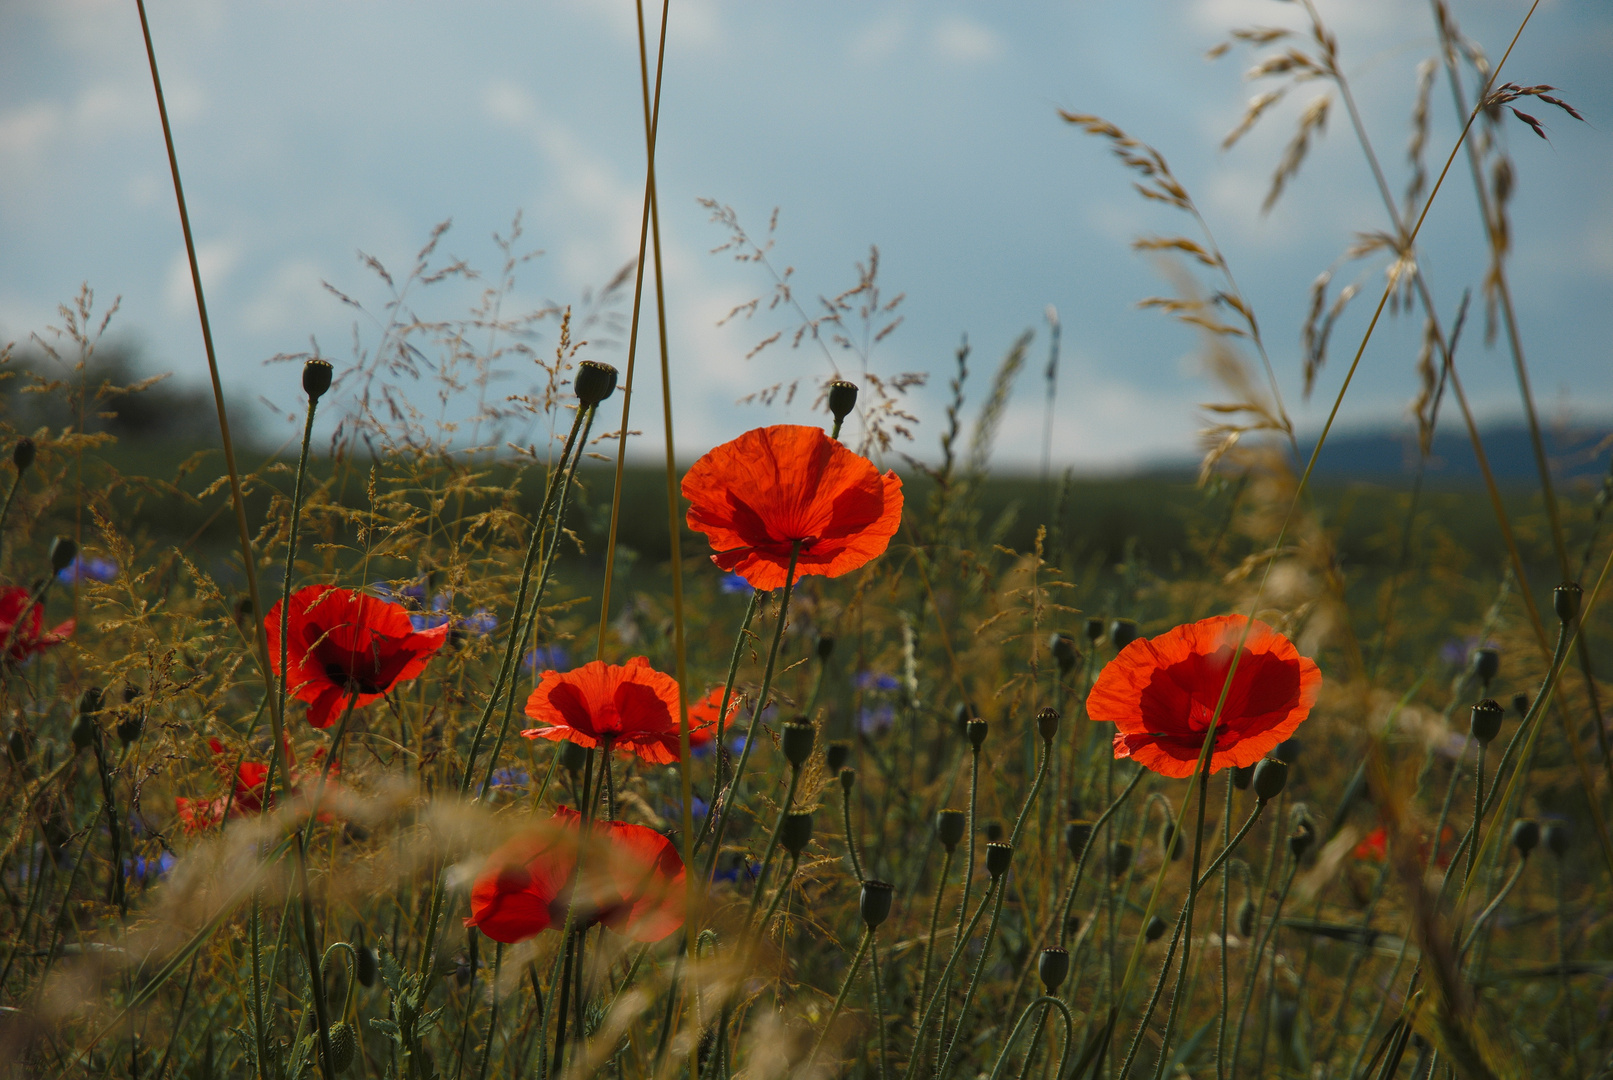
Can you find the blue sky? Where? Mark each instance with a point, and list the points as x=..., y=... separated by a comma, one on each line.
x=310, y=131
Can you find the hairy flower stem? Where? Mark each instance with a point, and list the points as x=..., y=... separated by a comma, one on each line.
x=720, y=811
x=879, y=999
x=1226, y=903
x=778, y=895
x=316, y=978
x=840, y=998
x=1491, y=908
x=1187, y=917
x=5, y=511
x=851, y=837
x=719, y=748
x=1045, y=1003
x=945, y=1066
x=1081, y=863
x=935, y=921
x=919, y=1034
x=1566, y=997
x=772, y=841
x=1254, y=967
x=1478, y=806
x=289, y=572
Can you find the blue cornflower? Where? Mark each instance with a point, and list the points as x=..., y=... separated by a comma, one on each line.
x=90, y=569
x=146, y=870
x=423, y=622
x=733, y=583
x=730, y=866
x=547, y=658
x=872, y=721
x=876, y=680
x=511, y=778
x=481, y=621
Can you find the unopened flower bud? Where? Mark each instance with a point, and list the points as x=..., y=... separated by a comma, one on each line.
x=1525, y=835
x=343, y=1046
x=1156, y=928
x=1241, y=775
x=1047, y=723
x=848, y=778
x=130, y=728
x=797, y=743
x=1052, y=967
x=998, y=856
x=1094, y=630
x=1271, y=776
x=950, y=826
x=836, y=757
x=1486, y=664
x=826, y=646
x=1122, y=632
x=1556, y=837
x=1065, y=653
x=842, y=399
x=368, y=965
x=796, y=832
x=595, y=382
x=1119, y=859
x=1520, y=704
x=1303, y=836
x=572, y=757
x=62, y=553
x=1565, y=598
x=1246, y=919
x=83, y=731
x=977, y=729
x=1170, y=842
x=22, y=455
x=874, y=902
x=316, y=375
x=1077, y=835
x=1485, y=722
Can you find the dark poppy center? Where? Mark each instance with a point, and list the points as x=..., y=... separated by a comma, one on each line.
x=353, y=681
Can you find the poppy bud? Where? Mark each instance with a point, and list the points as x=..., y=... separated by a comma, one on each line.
x=572, y=757
x=1052, y=967
x=795, y=832
x=797, y=743
x=977, y=733
x=90, y=701
x=1565, y=598
x=1520, y=702
x=998, y=856
x=130, y=728
x=1047, y=723
x=1556, y=836
x=1246, y=919
x=994, y=831
x=842, y=399
x=826, y=646
x=1122, y=632
x=1485, y=722
x=1486, y=664
x=1271, y=776
x=343, y=1043
x=22, y=455
x=848, y=778
x=1170, y=842
x=83, y=731
x=1156, y=929
x=62, y=553
x=368, y=965
x=1525, y=835
x=1094, y=630
x=1065, y=654
x=949, y=828
x=1077, y=835
x=836, y=757
x=1303, y=836
x=595, y=382
x=874, y=902
x=1241, y=775
x=1120, y=859
x=20, y=745
x=315, y=378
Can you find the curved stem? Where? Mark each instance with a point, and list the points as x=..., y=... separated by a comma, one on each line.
x=940, y=986
x=840, y=998
x=1254, y=969
x=1080, y=865
x=974, y=980
x=772, y=840
x=879, y=999
x=1192, y=897
x=851, y=837
x=1046, y=1002
x=935, y=921
x=1491, y=908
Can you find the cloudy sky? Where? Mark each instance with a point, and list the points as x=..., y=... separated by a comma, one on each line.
x=312, y=130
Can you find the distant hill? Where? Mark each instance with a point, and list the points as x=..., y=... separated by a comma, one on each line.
x=1578, y=453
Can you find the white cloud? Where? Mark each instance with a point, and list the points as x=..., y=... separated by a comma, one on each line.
x=963, y=41
x=287, y=299
x=216, y=259
x=879, y=39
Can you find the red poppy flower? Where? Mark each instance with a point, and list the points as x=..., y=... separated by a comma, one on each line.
x=248, y=779
x=756, y=496
x=344, y=643
x=631, y=706
x=1160, y=694
x=29, y=637
x=1374, y=847
x=703, y=717
x=632, y=882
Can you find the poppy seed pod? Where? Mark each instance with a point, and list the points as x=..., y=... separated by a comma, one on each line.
x=316, y=375
x=848, y=778
x=572, y=757
x=1525, y=835
x=1556, y=837
x=796, y=832
x=1241, y=775
x=1065, y=654
x=1077, y=835
x=368, y=965
x=1052, y=967
x=976, y=730
x=1485, y=723
x=836, y=757
x=1094, y=630
x=1271, y=776
x=1303, y=836
x=874, y=902
x=22, y=455
x=1486, y=664
x=130, y=728
x=842, y=399
x=595, y=382
x=1520, y=704
x=826, y=646
x=1120, y=859
x=1122, y=632
x=1170, y=841
x=797, y=743
x=62, y=553
x=343, y=1046
x=1246, y=919
x=998, y=856
x=949, y=828
x=1565, y=598
x=1156, y=928
x=1047, y=723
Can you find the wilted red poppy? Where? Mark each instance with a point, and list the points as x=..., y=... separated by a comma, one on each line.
x=631, y=706
x=1160, y=694
x=632, y=882
x=344, y=643
x=756, y=496
x=29, y=637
